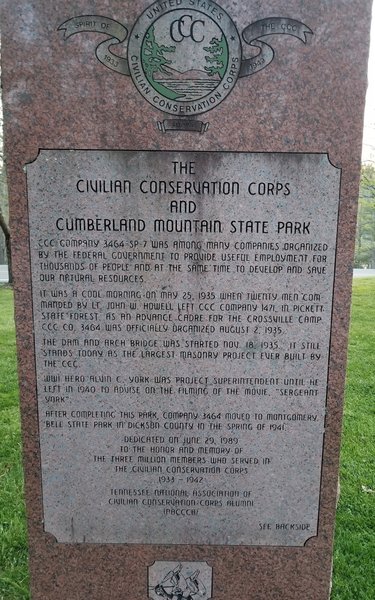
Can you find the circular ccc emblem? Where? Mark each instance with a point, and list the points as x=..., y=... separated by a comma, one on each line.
x=185, y=60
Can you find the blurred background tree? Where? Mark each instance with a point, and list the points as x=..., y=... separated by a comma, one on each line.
x=5, y=250
x=365, y=237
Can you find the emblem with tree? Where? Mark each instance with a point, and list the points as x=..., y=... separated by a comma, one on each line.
x=154, y=61
x=217, y=57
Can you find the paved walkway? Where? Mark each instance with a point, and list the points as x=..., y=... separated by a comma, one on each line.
x=363, y=272
x=3, y=274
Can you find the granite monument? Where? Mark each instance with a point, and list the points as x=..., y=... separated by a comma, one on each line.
x=183, y=178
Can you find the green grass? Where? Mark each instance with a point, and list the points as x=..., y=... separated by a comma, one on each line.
x=354, y=553
x=13, y=549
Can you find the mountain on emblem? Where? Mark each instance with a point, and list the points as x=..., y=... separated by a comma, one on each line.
x=185, y=69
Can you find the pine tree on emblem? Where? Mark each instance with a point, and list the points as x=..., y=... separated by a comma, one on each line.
x=153, y=58
x=218, y=57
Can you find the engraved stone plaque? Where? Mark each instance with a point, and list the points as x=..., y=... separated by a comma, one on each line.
x=188, y=580
x=182, y=312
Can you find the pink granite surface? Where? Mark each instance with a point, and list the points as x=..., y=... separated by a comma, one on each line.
x=310, y=99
